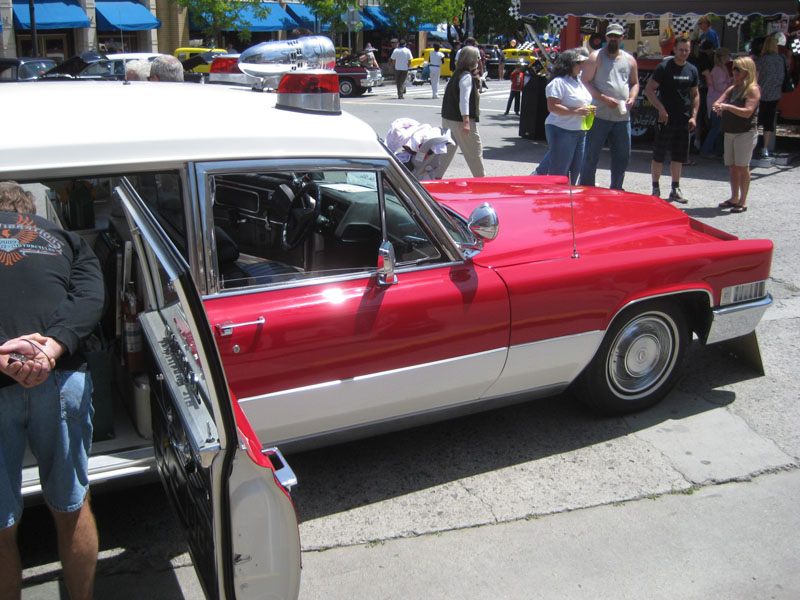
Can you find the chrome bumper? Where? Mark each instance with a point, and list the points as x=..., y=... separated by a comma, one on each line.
x=737, y=320
x=374, y=78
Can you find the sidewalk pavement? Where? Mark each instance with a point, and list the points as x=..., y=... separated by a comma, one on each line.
x=722, y=541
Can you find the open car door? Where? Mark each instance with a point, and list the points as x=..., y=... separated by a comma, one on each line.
x=231, y=495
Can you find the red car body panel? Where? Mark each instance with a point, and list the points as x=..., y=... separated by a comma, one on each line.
x=629, y=247
x=524, y=286
x=333, y=331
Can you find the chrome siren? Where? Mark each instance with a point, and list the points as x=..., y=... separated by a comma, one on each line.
x=275, y=59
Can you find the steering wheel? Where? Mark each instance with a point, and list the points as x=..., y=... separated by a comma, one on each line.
x=304, y=210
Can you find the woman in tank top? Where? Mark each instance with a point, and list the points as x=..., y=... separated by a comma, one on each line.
x=738, y=108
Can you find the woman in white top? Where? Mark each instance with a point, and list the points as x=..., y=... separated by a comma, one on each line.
x=569, y=102
x=461, y=113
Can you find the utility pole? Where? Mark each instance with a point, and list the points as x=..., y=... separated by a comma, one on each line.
x=35, y=52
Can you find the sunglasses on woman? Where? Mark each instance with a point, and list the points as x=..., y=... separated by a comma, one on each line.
x=737, y=70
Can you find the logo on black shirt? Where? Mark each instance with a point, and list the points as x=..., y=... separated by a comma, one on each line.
x=19, y=239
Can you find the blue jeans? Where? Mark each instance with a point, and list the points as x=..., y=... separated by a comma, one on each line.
x=713, y=143
x=564, y=154
x=618, y=134
x=56, y=418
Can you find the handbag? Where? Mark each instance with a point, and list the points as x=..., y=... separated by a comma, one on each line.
x=788, y=82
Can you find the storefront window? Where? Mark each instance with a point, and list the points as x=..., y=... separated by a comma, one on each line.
x=51, y=45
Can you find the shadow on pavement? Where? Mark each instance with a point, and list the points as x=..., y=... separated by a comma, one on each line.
x=347, y=476
x=126, y=521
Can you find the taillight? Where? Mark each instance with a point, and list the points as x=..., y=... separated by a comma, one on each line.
x=311, y=91
x=309, y=83
x=225, y=65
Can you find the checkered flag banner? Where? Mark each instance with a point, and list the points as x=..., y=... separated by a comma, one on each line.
x=558, y=22
x=513, y=10
x=621, y=21
x=796, y=46
x=735, y=19
x=683, y=24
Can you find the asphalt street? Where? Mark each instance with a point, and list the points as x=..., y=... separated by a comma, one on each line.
x=693, y=498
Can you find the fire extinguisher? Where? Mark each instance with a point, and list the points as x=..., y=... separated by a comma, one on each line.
x=134, y=357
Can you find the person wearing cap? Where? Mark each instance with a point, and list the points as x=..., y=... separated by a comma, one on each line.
x=401, y=61
x=673, y=91
x=612, y=78
x=367, y=57
x=569, y=102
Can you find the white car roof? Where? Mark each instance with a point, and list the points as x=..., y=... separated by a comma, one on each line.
x=71, y=127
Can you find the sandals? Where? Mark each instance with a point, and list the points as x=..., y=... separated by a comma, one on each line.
x=735, y=208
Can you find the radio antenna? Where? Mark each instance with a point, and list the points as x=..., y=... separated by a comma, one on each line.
x=572, y=214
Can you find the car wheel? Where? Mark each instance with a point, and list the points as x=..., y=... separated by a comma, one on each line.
x=346, y=87
x=639, y=360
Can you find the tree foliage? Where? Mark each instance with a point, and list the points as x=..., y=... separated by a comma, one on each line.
x=492, y=20
x=217, y=16
x=331, y=11
x=407, y=16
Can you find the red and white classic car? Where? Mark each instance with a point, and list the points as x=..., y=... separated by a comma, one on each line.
x=297, y=286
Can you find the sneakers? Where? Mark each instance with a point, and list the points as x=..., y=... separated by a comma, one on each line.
x=676, y=195
x=656, y=191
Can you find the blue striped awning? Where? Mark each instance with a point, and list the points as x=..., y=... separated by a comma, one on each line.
x=51, y=14
x=376, y=15
x=303, y=15
x=277, y=20
x=124, y=15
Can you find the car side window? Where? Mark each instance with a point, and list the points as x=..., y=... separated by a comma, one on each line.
x=163, y=195
x=276, y=227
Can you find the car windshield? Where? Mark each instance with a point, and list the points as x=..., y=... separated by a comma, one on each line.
x=32, y=69
x=454, y=223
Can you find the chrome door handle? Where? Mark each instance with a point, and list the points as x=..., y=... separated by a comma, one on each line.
x=227, y=327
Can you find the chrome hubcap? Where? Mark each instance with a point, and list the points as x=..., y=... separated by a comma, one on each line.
x=642, y=355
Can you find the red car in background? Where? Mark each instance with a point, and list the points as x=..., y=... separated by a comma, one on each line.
x=354, y=79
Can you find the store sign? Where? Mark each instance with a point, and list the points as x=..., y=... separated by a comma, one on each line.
x=589, y=24
x=777, y=23
x=649, y=27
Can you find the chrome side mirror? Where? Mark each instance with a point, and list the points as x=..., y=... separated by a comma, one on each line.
x=386, y=261
x=484, y=225
x=483, y=222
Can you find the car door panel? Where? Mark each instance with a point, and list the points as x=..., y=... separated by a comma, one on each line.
x=338, y=354
x=240, y=522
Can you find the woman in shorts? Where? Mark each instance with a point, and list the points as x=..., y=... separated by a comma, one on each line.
x=738, y=108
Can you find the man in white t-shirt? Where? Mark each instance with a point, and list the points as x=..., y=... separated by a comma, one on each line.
x=435, y=61
x=401, y=61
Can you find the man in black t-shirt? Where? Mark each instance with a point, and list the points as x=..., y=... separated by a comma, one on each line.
x=51, y=293
x=673, y=90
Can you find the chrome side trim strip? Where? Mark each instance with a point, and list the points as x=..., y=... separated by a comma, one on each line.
x=546, y=363
x=316, y=409
x=735, y=321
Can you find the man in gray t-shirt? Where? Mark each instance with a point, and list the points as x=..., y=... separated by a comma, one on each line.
x=611, y=76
